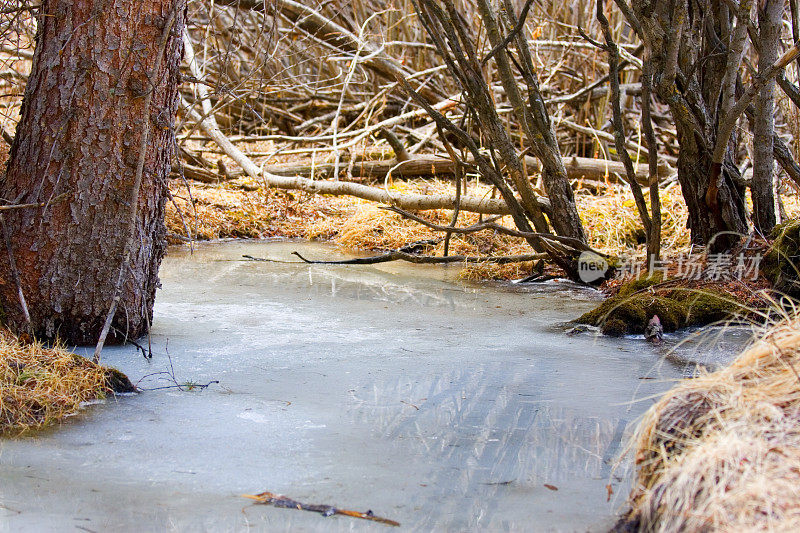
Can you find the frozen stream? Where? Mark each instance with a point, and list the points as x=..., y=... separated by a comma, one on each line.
x=388, y=387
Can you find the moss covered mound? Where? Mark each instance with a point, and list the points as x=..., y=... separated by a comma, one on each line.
x=782, y=262
x=677, y=307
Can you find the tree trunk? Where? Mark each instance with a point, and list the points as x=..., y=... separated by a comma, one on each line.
x=535, y=121
x=770, y=15
x=690, y=74
x=694, y=162
x=76, y=150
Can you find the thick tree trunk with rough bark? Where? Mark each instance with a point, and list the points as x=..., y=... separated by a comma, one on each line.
x=684, y=41
x=76, y=151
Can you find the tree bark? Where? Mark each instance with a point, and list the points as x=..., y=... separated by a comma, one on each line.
x=684, y=40
x=77, y=148
x=694, y=164
x=770, y=14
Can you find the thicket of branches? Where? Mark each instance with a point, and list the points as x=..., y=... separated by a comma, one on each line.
x=527, y=96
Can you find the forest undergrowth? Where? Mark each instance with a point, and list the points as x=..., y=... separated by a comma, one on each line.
x=320, y=87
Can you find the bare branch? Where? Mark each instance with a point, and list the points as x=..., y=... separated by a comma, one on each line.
x=619, y=129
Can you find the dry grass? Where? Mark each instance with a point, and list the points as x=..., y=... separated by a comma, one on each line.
x=609, y=217
x=224, y=211
x=722, y=452
x=352, y=223
x=40, y=385
x=612, y=223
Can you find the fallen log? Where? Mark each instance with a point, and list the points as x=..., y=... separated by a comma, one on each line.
x=440, y=165
x=398, y=255
x=407, y=201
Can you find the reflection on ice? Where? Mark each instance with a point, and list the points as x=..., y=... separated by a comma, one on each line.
x=488, y=437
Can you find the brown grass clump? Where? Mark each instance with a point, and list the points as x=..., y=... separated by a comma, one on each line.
x=39, y=385
x=613, y=226
x=722, y=452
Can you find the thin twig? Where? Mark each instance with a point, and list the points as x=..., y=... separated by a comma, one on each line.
x=397, y=255
x=15, y=273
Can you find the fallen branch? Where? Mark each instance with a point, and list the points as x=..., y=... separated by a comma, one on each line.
x=397, y=255
x=270, y=498
x=408, y=201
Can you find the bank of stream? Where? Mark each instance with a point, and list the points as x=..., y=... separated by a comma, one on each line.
x=388, y=387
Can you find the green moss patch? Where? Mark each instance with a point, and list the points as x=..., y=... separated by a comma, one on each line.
x=628, y=312
x=782, y=262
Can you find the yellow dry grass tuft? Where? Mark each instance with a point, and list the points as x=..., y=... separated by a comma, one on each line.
x=613, y=226
x=722, y=452
x=39, y=385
